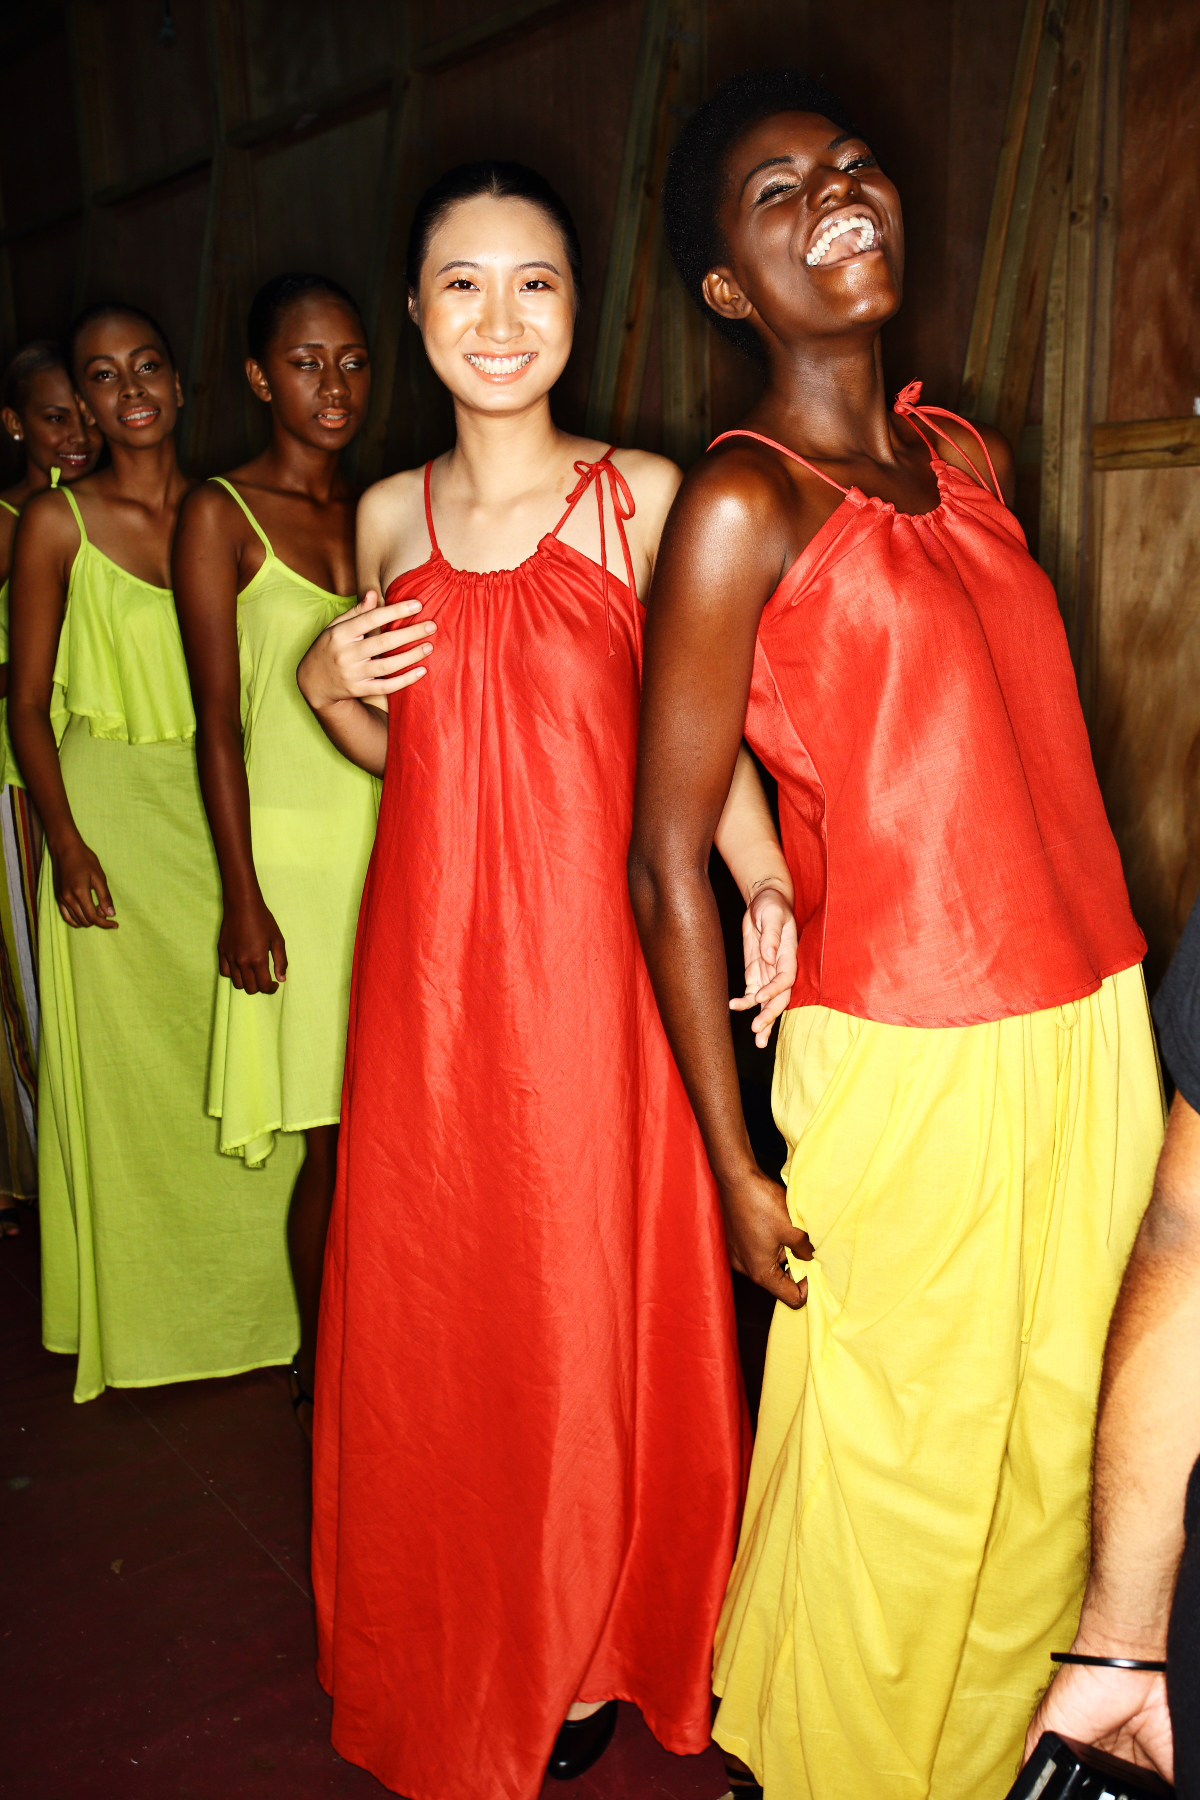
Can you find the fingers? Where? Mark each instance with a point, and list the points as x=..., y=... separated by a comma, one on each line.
x=799, y=1243
x=778, y=1282
x=279, y=957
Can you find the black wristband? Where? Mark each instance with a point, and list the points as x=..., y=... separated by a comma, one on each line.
x=1109, y=1662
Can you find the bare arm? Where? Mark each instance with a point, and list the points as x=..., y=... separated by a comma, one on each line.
x=746, y=840
x=366, y=654
x=722, y=555
x=46, y=546
x=1147, y=1438
x=205, y=572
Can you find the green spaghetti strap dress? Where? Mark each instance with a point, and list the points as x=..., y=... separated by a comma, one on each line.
x=277, y=1058
x=162, y=1260
x=18, y=962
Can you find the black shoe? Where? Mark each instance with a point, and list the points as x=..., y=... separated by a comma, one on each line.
x=581, y=1742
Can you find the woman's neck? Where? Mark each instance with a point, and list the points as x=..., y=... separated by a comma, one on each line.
x=499, y=456
x=831, y=398
x=299, y=468
x=149, y=477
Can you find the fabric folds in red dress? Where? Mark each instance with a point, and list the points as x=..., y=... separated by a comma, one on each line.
x=530, y=1431
x=913, y=696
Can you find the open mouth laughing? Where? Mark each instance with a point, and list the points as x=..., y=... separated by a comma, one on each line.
x=837, y=241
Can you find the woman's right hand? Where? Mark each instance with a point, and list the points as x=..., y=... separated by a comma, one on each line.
x=366, y=654
x=759, y=1232
x=249, y=943
x=80, y=886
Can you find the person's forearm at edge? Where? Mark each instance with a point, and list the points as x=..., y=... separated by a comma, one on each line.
x=1148, y=1432
x=746, y=839
x=680, y=929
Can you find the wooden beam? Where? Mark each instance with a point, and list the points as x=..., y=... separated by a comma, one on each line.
x=1146, y=444
x=685, y=335
x=1004, y=200
x=219, y=426
x=1070, y=364
x=489, y=34
x=1027, y=204
x=317, y=113
x=627, y=303
x=47, y=221
x=89, y=131
x=189, y=163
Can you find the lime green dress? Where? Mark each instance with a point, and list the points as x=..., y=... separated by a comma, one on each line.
x=18, y=963
x=277, y=1058
x=162, y=1260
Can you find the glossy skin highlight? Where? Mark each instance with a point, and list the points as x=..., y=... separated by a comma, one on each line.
x=742, y=517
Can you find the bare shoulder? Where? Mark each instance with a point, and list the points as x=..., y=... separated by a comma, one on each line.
x=392, y=499
x=741, y=486
x=211, y=507
x=653, y=480
x=390, y=528
x=965, y=453
x=48, y=521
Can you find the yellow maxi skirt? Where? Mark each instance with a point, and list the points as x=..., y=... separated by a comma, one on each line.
x=916, y=1529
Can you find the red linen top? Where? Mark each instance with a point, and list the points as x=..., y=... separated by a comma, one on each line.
x=914, y=697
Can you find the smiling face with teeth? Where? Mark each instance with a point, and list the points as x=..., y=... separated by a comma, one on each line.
x=126, y=380
x=814, y=232
x=496, y=305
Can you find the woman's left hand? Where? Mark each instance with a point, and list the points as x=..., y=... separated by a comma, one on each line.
x=770, y=943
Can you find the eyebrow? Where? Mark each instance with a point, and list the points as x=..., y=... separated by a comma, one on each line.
x=774, y=162
x=317, y=344
x=460, y=263
x=111, y=355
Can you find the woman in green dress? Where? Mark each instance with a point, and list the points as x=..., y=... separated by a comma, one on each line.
x=41, y=414
x=162, y=1260
x=264, y=560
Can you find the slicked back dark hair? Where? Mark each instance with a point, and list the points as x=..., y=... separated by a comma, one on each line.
x=503, y=180
x=113, y=309
x=275, y=296
x=32, y=359
x=696, y=175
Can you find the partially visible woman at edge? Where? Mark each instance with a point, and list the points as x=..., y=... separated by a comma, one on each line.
x=263, y=560
x=41, y=413
x=966, y=1078
x=529, y=1424
x=161, y=1259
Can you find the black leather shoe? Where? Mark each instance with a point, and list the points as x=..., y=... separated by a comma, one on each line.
x=581, y=1742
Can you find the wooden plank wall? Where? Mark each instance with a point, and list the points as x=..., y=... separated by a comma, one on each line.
x=279, y=133
x=1146, y=731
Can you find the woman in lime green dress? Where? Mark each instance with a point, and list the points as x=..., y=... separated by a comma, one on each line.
x=162, y=1260
x=41, y=414
x=264, y=560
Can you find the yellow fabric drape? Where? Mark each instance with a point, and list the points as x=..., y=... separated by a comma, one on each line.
x=915, y=1536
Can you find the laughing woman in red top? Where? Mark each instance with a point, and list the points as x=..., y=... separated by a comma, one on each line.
x=966, y=1078
x=528, y=1426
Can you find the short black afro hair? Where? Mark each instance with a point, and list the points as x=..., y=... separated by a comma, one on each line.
x=695, y=178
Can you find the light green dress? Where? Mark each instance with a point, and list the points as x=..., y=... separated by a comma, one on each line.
x=162, y=1260
x=277, y=1058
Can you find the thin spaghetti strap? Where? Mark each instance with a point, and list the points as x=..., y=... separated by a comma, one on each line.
x=433, y=543
x=230, y=489
x=600, y=471
x=795, y=456
x=584, y=471
x=71, y=501
x=906, y=406
x=14, y=510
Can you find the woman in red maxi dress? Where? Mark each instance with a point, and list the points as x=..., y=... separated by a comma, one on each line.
x=529, y=1429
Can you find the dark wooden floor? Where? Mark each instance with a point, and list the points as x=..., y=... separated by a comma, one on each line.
x=155, y=1611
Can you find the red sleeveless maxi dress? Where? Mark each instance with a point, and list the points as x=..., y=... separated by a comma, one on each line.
x=530, y=1433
